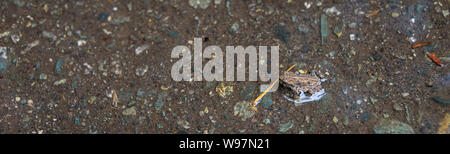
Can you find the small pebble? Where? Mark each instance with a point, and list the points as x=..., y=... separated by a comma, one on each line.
x=17, y=99
x=191, y=92
x=358, y=101
x=445, y=13
x=395, y=14
x=352, y=37
x=405, y=94
x=335, y=119
x=81, y=42
x=352, y=25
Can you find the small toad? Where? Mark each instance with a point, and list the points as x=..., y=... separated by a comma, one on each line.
x=305, y=87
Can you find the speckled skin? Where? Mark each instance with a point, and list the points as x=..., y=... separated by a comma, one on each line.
x=305, y=82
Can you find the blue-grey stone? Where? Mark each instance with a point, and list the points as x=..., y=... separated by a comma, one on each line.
x=173, y=33
x=3, y=64
x=323, y=27
x=365, y=117
x=58, y=66
x=282, y=34
x=77, y=121
x=140, y=92
x=267, y=101
x=247, y=91
x=303, y=28
x=285, y=127
x=392, y=127
x=159, y=103
x=102, y=17
x=74, y=84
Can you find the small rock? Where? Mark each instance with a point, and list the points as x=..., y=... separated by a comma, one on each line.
x=412, y=39
x=62, y=81
x=282, y=34
x=267, y=101
x=365, y=117
x=81, y=43
x=319, y=3
x=358, y=102
x=49, y=35
x=306, y=48
x=159, y=103
x=324, y=32
x=140, y=93
x=352, y=25
x=43, y=76
x=267, y=121
x=102, y=17
x=395, y=14
x=345, y=121
x=247, y=92
x=173, y=34
x=15, y=38
x=285, y=127
x=140, y=71
x=397, y=107
x=242, y=109
x=3, y=64
x=405, y=94
x=352, y=37
x=308, y=4
x=77, y=121
x=140, y=49
x=121, y=20
x=184, y=124
x=17, y=99
x=445, y=59
x=338, y=29
x=129, y=111
x=335, y=119
x=191, y=92
x=3, y=52
x=19, y=3
x=376, y=56
x=392, y=127
x=58, y=66
x=4, y=34
x=373, y=100
x=445, y=13
x=332, y=11
x=199, y=3
x=303, y=28
x=234, y=28
x=92, y=99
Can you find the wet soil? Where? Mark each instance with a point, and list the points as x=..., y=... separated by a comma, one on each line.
x=376, y=76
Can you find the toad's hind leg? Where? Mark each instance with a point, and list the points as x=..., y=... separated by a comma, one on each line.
x=304, y=99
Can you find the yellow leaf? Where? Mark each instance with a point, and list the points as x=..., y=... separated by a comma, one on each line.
x=445, y=122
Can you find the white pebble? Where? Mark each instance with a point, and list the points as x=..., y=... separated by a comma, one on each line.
x=308, y=5
x=352, y=37
x=405, y=94
x=140, y=49
x=81, y=42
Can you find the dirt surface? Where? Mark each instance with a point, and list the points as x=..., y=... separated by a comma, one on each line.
x=72, y=58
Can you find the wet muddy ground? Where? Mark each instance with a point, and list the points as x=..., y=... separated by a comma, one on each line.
x=73, y=67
